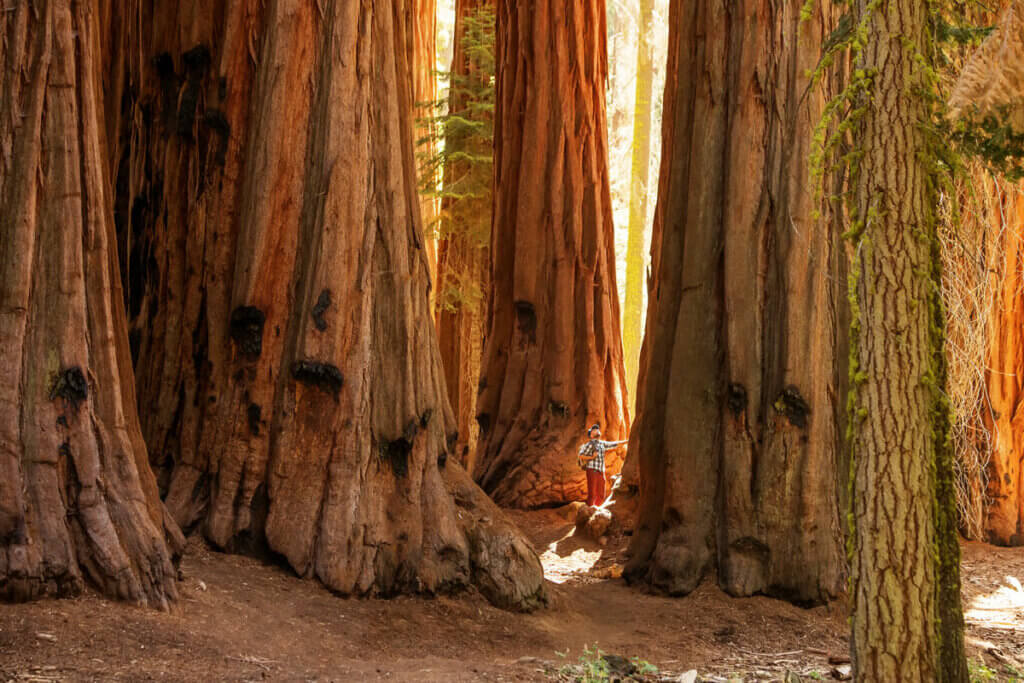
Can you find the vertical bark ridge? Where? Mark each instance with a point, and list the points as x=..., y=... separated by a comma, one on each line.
x=736, y=432
x=311, y=420
x=553, y=359
x=77, y=502
x=1005, y=379
x=907, y=623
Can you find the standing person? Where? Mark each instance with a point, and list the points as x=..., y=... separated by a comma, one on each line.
x=591, y=459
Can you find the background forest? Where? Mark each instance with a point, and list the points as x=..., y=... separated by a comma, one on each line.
x=324, y=295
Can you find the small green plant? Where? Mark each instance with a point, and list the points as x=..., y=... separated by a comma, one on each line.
x=980, y=672
x=595, y=666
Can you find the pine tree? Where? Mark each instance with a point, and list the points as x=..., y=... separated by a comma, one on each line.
x=464, y=138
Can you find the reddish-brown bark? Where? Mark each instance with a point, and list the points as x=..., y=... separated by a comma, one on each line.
x=288, y=368
x=553, y=359
x=1005, y=378
x=463, y=273
x=737, y=436
x=78, y=502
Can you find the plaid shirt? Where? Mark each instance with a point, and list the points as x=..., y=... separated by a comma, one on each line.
x=596, y=448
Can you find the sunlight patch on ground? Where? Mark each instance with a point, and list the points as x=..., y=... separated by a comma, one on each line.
x=1003, y=608
x=564, y=559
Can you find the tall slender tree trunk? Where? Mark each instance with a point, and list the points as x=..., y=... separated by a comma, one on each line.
x=632, y=313
x=907, y=621
x=424, y=89
x=464, y=266
x=287, y=358
x=553, y=359
x=78, y=502
x=1004, y=514
x=737, y=435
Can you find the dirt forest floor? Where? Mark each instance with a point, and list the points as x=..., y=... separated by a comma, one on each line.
x=241, y=620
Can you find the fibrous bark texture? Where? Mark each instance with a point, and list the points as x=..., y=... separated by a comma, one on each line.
x=287, y=361
x=737, y=436
x=907, y=622
x=1004, y=376
x=553, y=357
x=464, y=267
x=981, y=250
x=78, y=503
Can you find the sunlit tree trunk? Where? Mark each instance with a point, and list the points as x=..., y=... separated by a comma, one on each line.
x=424, y=87
x=737, y=436
x=632, y=313
x=287, y=360
x=1004, y=517
x=907, y=621
x=553, y=358
x=78, y=503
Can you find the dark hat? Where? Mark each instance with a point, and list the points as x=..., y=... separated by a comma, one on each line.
x=596, y=425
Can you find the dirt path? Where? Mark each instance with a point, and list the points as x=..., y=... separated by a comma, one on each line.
x=242, y=620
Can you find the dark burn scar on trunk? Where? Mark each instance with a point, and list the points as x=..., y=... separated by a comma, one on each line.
x=484, y=420
x=323, y=302
x=254, y=413
x=247, y=329
x=558, y=408
x=736, y=398
x=163, y=63
x=425, y=417
x=138, y=211
x=752, y=547
x=409, y=433
x=791, y=404
x=70, y=385
x=526, y=320
x=396, y=454
x=196, y=62
x=449, y=443
x=218, y=123
x=197, y=59
x=323, y=376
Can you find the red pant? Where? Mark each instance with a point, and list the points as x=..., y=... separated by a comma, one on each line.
x=595, y=487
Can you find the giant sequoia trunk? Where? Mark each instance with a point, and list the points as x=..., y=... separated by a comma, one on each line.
x=288, y=368
x=463, y=272
x=907, y=621
x=737, y=432
x=553, y=359
x=78, y=502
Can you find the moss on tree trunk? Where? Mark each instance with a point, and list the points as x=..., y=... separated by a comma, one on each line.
x=907, y=620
